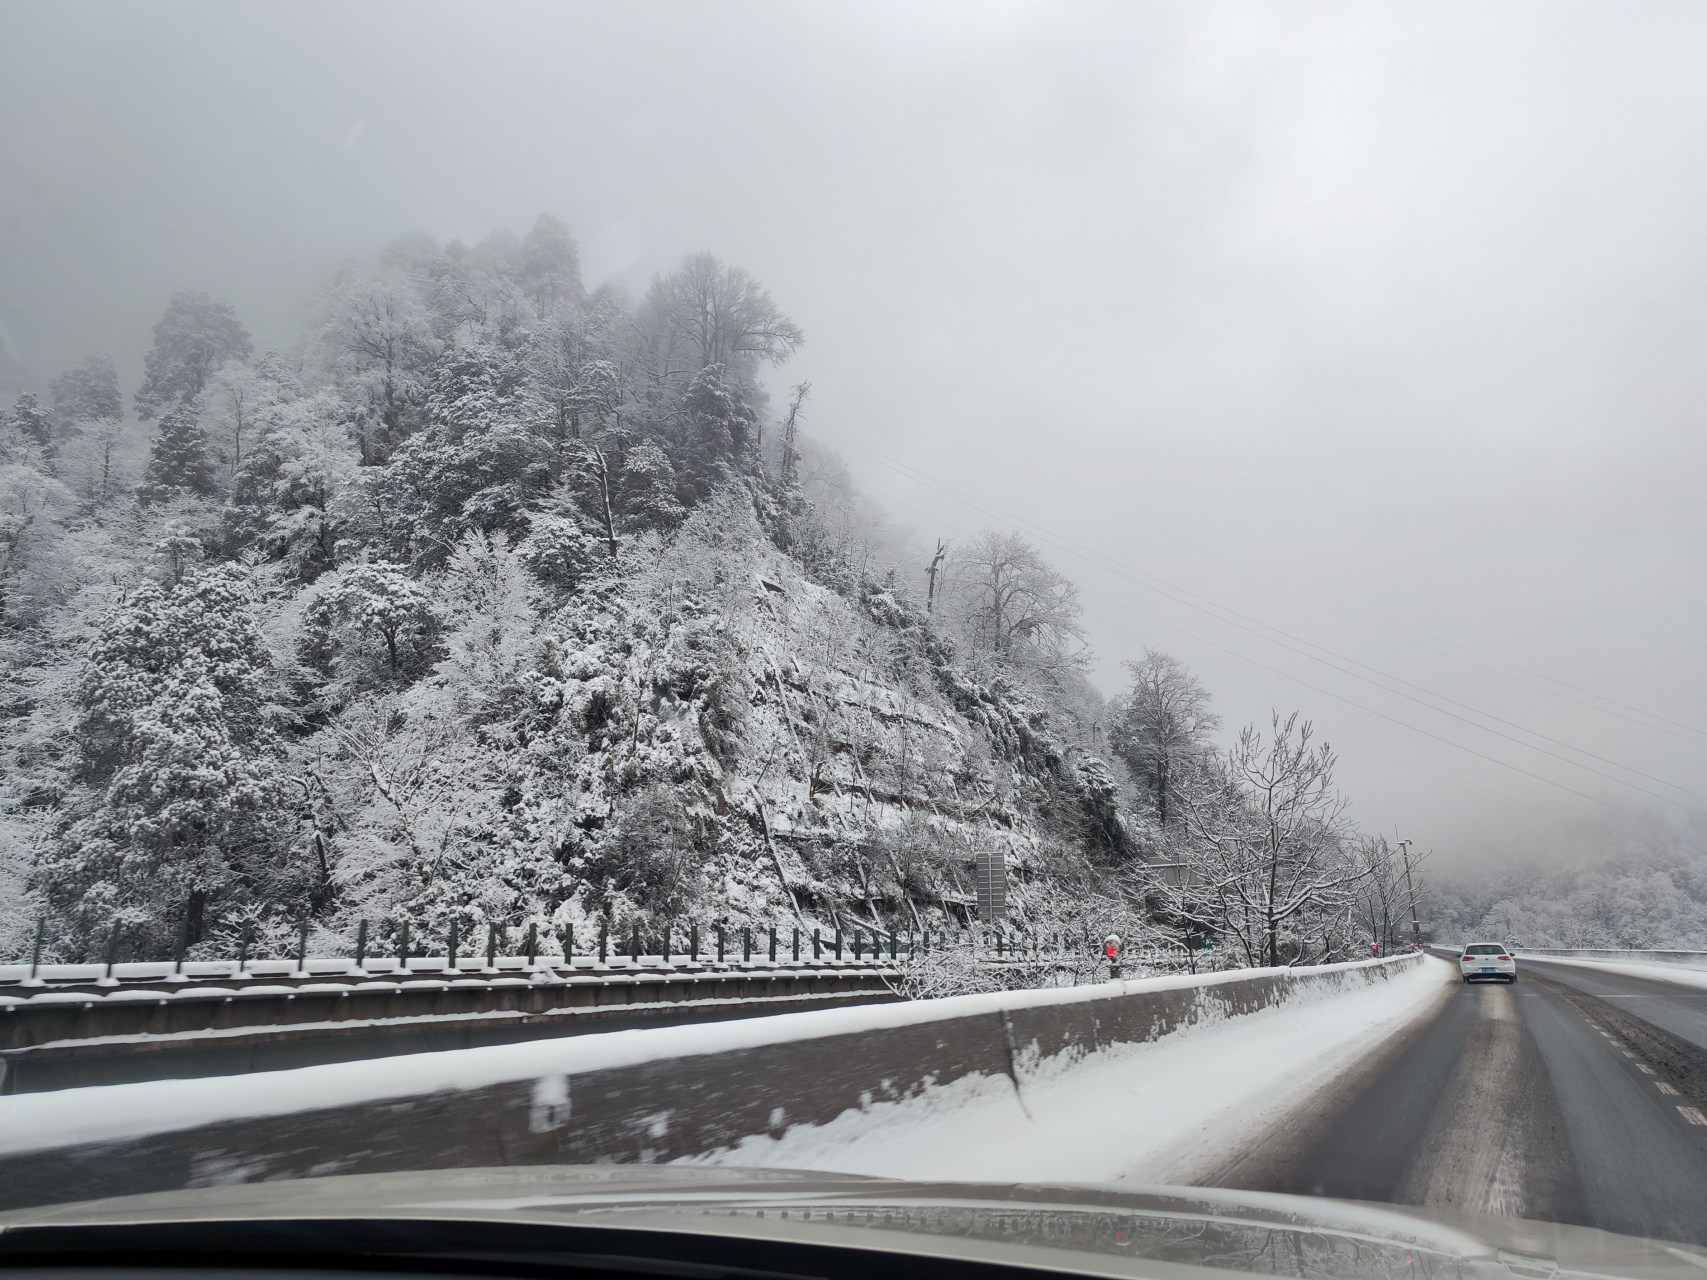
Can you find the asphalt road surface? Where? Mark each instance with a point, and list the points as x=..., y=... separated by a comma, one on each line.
x=1570, y=1096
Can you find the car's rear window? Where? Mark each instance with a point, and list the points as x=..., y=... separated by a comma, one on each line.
x=1484, y=949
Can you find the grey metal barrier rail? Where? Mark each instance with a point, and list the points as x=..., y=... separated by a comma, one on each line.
x=149, y=1023
x=720, y=942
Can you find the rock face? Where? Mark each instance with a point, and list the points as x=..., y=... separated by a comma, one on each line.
x=715, y=733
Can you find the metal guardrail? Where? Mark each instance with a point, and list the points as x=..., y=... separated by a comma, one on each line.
x=66, y=1011
x=23, y=981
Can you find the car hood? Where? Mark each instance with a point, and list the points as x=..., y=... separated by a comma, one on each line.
x=1088, y=1229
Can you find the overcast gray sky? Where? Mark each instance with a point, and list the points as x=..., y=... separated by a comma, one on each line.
x=1379, y=324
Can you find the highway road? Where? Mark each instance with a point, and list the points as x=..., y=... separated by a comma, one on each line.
x=1572, y=1095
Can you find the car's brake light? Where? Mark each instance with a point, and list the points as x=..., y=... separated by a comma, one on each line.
x=1502, y=957
x=1466, y=959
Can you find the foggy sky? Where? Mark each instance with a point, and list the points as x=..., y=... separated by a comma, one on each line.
x=1321, y=312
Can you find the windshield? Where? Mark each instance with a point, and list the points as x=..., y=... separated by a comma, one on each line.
x=953, y=592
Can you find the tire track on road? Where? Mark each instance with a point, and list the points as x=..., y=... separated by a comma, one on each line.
x=1499, y=1143
x=1534, y=1100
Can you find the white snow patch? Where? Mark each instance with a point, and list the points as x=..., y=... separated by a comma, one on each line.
x=1127, y=1113
x=1679, y=975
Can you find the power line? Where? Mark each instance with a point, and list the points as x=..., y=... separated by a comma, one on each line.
x=1215, y=610
x=1458, y=746
x=1417, y=636
x=1093, y=557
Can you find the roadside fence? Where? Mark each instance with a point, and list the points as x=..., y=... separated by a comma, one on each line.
x=508, y=949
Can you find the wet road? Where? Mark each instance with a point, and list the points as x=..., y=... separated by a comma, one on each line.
x=1571, y=1096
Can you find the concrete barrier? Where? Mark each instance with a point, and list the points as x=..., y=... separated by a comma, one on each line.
x=629, y=1096
x=1688, y=959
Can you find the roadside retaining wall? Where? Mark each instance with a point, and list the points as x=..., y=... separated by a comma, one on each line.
x=645, y=1096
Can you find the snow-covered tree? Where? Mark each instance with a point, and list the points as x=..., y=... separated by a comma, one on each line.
x=370, y=612
x=32, y=510
x=32, y=423
x=379, y=349
x=1162, y=726
x=194, y=338
x=179, y=460
x=88, y=393
x=1266, y=855
x=1013, y=605
x=180, y=758
x=549, y=265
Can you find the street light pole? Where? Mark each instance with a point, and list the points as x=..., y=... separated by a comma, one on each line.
x=1410, y=888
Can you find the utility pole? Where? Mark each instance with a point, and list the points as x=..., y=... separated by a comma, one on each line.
x=1416, y=929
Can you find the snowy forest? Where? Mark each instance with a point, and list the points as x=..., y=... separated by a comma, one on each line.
x=1647, y=892
x=498, y=601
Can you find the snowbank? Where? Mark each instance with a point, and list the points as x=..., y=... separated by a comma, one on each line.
x=1676, y=974
x=1128, y=1113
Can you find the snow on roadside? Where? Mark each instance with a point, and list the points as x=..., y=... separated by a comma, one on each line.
x=1128, y=1113
x=1673, y=973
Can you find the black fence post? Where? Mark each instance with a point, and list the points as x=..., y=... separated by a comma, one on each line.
x=797, y=944
x=361, y=944
x=451, y=963
x=533, y=943
x=491, y=945
x=746, y=943
x=604, y=939
x=838, y=942
x=113, y=952
x=773, y=944
x=403, y=946
x=693, y=941
x=35, y=952
x=242, y=946
x=302, y=947
x=892, y=944
x=817, y=946
x=183, y=943
x=569, y=946
x=859, y=946
x=669, y=928
x=719, y=944
x=634, y=947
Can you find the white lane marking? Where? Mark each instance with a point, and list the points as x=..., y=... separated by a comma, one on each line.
x=1644, y=1068
x=1666, y=1089
x=1693, y=1115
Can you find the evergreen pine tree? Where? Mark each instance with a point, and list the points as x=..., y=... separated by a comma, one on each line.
x=178, y=461
x=33, y=422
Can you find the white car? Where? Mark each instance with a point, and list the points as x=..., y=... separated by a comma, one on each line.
x=1486, y=961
